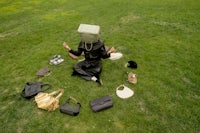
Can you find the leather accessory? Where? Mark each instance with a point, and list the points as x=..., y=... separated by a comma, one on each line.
x=43, y=72
x=69, y=109
x=101, y=103
x=132, y=78
x=47, y=101
x=124, y=92
x=31, y=89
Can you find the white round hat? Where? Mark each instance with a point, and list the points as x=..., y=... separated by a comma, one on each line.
x=124, y=92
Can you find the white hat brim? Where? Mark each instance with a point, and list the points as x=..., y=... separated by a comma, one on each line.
x=124, y=92
x=115, y=56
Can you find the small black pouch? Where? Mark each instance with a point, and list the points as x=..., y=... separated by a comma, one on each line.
x=100, y=104
x=69, y=109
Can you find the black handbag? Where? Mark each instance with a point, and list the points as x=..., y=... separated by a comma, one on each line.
x=31, y=89
x=101, y=103
x=69, y=109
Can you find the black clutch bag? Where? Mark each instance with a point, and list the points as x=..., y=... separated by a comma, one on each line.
x=69, y=109
x=101, y=103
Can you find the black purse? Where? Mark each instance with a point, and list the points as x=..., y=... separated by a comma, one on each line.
x=100, y=104
x=31, y=89
x=69, y=109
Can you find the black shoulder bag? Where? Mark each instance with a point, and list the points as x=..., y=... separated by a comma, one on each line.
x=31, y=89
x=69, y=109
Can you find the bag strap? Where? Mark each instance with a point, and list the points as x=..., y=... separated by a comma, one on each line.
x=73, y=99
x=122, y=85
x=46, y=86
x=60, y=91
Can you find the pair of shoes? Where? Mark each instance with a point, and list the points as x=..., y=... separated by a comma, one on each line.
x=99, y=81
x=55, y=60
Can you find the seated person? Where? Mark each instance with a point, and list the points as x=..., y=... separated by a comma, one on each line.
x=93, y=49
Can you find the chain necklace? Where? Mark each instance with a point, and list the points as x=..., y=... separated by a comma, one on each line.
x=86, y=47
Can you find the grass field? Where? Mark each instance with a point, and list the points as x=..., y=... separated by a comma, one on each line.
x=161, y=36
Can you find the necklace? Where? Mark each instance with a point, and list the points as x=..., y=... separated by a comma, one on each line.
x=86, y=47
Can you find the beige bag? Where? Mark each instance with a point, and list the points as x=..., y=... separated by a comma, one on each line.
x=47, y=101
x=132, y=78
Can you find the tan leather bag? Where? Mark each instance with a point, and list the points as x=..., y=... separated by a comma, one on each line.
x=47, y=101
x=132, y=78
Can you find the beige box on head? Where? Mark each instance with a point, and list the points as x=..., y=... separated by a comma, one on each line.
x=89, y=33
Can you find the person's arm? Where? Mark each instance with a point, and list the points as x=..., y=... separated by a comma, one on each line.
x=66, y=46
x=111, y=50
x=73, y=54
x=106, y=54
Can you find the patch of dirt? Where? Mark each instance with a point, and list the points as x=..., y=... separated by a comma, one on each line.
x=2, y=35
x=21, y=123
x=11, y=102
x=19, y=130
x=67, y=125
x=7, y=34
x=129, y=18
x=178, y=26
x=188, y=81
x=119, y=125
x=5, y=91
x=142, y=106
x=39, y=112
x=4, y=107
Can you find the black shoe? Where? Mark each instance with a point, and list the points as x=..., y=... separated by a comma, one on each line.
x=74, y=73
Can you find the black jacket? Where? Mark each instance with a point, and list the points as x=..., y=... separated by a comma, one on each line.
x=94, y=51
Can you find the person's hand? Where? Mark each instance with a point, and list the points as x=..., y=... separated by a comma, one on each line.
x=66, y=46
x=111, y=50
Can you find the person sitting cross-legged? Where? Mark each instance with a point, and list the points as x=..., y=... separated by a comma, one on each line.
x=94, y=51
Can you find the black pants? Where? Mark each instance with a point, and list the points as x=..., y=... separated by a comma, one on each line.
x=88, y=69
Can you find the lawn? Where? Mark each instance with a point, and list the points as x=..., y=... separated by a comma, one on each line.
x=161, y=36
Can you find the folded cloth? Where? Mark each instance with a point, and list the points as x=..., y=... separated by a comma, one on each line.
x=43, y=72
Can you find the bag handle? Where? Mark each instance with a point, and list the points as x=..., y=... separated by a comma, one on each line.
x=73, y=99
x=122, y=85
x=47, y=86
x=60, y=94
x=60, y=91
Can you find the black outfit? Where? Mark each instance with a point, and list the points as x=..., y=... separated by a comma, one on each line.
x=92, y=65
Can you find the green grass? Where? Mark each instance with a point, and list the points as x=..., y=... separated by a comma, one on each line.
x=161, y=36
